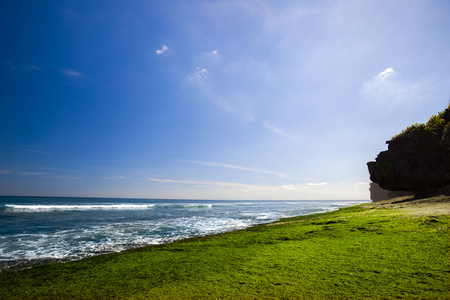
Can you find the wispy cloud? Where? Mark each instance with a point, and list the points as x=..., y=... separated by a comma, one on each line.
x=280, y=132
x=32, y=68
x=38, y=172
x=48, y=175
x=234, y=104
x=71, y=73
x=64, y=177
x=295, y=191
x=31, y=150
x=116, y=177
x=12, y=67
x=209, y=183
x=32, y=173
x=162, y=50
x=228, y=166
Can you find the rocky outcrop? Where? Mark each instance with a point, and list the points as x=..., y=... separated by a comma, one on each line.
x=378, y=194
x=417, y=160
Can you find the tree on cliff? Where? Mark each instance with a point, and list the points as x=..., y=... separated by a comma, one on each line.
x=417, y=159
x=438, y=125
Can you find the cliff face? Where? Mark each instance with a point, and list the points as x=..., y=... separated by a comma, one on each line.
x=379, y=194
x=417, y=160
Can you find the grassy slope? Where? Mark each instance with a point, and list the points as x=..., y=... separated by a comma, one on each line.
x=360, y=252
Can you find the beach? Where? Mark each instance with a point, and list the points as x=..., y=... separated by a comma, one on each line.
x=384, y=250
x=38, y=230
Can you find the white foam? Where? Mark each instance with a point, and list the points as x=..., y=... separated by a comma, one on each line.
x=188, y=205
x=174, y=221
x=42, y=208
x=79, y=243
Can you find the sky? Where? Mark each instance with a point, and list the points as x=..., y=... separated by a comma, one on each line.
x=205, y=99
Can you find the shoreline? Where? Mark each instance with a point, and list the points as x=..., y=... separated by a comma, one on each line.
x=438, y=204
x=13, y=265
x=383, y=250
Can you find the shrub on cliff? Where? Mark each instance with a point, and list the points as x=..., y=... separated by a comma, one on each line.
x=436, y=125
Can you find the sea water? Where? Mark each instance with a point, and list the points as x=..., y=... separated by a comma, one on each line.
x=40, y=229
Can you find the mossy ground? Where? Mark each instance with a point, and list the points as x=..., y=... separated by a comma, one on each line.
x=359, y=252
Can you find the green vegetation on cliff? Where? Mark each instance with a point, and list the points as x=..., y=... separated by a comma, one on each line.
x=437, y=125
x=358, y=252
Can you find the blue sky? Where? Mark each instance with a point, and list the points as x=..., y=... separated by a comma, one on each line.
x=212, y=99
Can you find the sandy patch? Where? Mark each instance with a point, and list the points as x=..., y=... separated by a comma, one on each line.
x=439, y=205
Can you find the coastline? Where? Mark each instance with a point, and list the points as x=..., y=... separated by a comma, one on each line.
x=19, y=263
x=22, y=264
x=375, y=250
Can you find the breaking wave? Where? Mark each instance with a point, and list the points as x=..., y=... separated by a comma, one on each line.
x=47, y=208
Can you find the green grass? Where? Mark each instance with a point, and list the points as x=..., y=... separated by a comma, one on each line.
x=353, y=253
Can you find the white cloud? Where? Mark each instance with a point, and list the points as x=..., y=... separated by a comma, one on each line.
x=289, y=187
x=71, y=73
x=388, y=89
x=162, y=50
x=5, y=172
x=317, y=184
x=380, y=85
x=386, y=73
x=116, y=177
x=199, y=74
x=220, y=165
x=211, y=57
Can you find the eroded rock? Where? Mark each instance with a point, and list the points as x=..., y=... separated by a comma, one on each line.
x=417, y=160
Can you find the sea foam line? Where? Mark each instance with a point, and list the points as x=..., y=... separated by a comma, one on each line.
x=42, y=208
x=20, y=207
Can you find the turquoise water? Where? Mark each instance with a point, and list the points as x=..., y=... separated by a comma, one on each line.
x=35, y=229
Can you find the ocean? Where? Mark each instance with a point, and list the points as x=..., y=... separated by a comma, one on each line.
x=48, y=229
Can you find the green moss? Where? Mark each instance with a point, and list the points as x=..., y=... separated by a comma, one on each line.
x=353, y=253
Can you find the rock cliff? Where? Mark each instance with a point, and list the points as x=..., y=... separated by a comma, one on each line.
x=417, y=160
